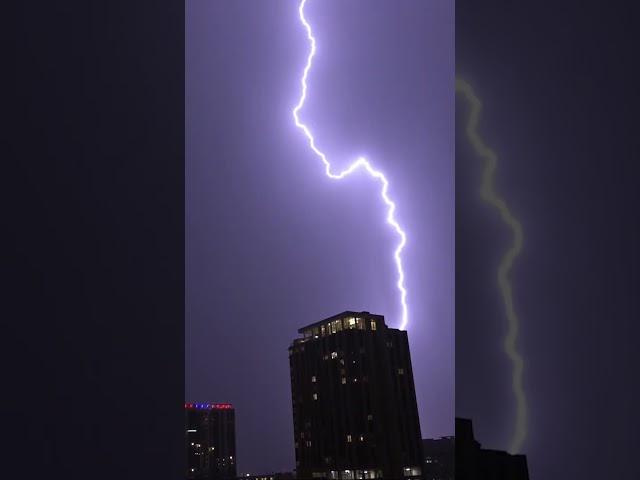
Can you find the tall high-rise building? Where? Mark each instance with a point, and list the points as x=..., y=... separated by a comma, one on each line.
x=210, y=441
x=354, y=406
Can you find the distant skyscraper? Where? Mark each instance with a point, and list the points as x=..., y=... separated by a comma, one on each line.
x=210, y=441
x=354, y=406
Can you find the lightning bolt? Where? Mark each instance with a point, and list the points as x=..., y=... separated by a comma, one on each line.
x=490, y=196
x=359, y=164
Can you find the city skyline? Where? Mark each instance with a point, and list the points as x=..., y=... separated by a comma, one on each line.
x=353, y=407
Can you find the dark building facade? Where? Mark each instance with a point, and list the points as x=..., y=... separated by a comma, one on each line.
x=439, y=459
x=354, y=406
x=475, y=463
x=210, y=441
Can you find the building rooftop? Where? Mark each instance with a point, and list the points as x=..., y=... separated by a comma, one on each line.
x=345, y=314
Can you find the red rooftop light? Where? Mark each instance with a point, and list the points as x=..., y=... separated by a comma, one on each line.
x=208, y=406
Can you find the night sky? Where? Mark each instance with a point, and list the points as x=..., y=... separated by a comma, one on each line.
x=271, y=243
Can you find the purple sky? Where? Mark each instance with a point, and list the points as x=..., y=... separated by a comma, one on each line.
x=272, y=244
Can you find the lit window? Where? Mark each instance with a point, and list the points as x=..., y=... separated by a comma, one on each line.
x=344, y=380
x=401, y=371
x=369, y=417
x=315, y=396
x=352, y=322
x=373, y=325
x=313, y=379
x=362, y=438
x=334, y=354
x=349, y=438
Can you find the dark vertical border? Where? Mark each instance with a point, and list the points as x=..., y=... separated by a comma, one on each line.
x=93, y=220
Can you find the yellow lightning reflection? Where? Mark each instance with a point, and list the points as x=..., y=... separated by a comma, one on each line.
x=490, y=196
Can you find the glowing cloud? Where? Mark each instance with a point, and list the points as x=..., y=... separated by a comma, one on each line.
x=490, y=196
x=359, y=164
